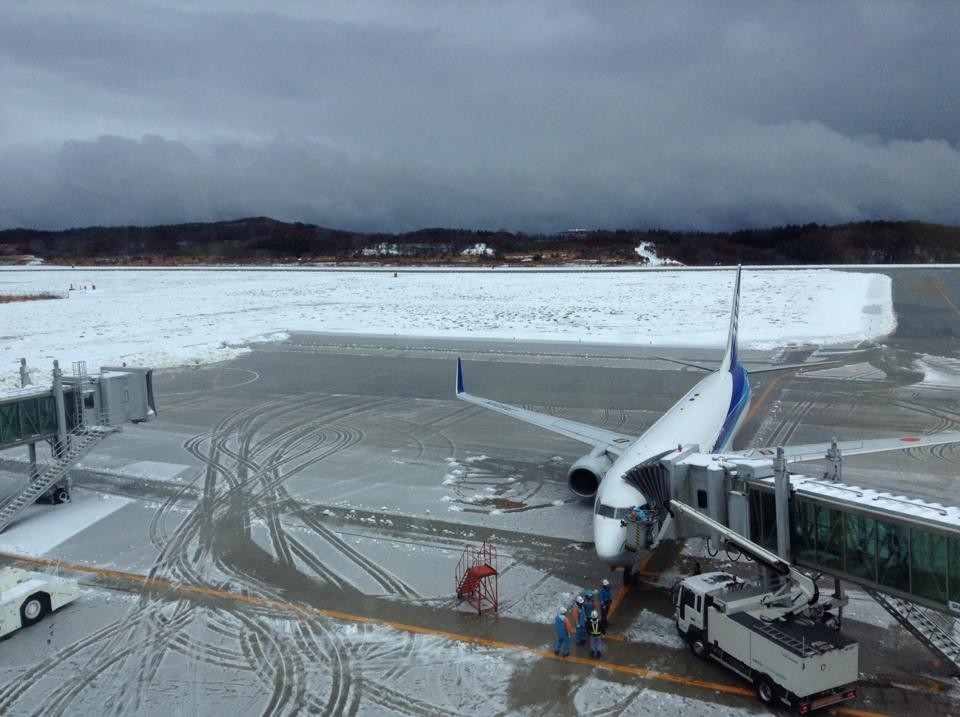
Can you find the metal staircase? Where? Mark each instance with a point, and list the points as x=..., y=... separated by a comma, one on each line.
x=937, y=631
x=477, y=578
x=78, y=444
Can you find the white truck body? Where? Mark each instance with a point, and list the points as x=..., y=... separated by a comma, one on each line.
x=25, y=597
x=799, y=660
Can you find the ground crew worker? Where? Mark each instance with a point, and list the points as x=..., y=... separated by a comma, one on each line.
x=562, y=626
x=589, y=598
x=580, y=619
x=606, y=599
x=596, y=635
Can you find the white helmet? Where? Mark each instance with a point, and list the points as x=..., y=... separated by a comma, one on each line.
x=579, y=599
x=606, y=582
x=594, y=615
x=563, y=611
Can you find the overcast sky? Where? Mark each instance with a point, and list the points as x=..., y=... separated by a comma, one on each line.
x=532, y=115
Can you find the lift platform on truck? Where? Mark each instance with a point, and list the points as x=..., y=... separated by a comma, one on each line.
x=779, y=634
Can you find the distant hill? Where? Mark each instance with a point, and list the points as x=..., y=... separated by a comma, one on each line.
x=262, y=240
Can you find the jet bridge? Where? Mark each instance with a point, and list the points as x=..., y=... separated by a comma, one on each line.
x=114, y=396
x=902, y=550
x=73, y=414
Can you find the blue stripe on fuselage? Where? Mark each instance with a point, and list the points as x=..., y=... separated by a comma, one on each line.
x=739, y=397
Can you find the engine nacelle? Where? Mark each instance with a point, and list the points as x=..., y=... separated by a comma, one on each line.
x=585, y=475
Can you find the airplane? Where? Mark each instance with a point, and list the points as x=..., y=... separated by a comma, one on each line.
x=708, y=415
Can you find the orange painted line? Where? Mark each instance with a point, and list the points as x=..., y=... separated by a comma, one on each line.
x=415, y=629
x=617, y=599
x=764, y=396
x=857, y=713
x=936, y=285
x=641, y=568
x=622, y=592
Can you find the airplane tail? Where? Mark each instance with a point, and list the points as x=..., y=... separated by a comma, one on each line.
x=730, y=358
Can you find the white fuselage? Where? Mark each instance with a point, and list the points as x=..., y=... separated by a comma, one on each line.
x=698, y=418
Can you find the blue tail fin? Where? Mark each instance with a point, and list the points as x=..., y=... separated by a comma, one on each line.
x=730, y=358
x=459, y=377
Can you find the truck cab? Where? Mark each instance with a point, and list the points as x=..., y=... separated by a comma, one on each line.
x=691, y=598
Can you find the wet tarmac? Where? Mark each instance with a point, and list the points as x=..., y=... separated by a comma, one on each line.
x=294, y=521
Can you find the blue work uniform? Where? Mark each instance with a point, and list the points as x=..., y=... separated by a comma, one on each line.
x=581, y=623
x=563, y=636
x=606, y=598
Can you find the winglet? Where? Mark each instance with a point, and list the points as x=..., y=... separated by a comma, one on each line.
x=459, y=377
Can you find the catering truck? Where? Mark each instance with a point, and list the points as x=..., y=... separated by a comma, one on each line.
x=25, y=597
x=778, y=634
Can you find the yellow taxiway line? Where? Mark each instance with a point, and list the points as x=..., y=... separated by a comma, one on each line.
x=187, y=589
x=939, y=287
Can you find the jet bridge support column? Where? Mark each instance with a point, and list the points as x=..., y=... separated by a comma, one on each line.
x=781, y=494
x=32, y=446
x=61, y=445
x=835, y=474
x=836, y=461
x=60, y=448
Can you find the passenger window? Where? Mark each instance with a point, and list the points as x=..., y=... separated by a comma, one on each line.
x=698, y=603
x=688, y=597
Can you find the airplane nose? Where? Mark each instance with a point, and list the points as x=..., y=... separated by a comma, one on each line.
x=608, y=537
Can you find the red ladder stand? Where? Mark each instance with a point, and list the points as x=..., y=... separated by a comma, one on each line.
x=477, y=577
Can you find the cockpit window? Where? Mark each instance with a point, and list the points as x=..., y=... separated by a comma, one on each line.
x=605, y=510
x=608, y=511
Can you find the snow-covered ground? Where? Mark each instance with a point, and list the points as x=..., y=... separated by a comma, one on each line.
x=939, y=371
x=42, y=527
x=164, y=318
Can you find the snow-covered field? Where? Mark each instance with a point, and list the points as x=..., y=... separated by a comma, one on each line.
x=163, y=318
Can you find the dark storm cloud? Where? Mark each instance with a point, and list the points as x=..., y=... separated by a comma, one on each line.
x=537, y=115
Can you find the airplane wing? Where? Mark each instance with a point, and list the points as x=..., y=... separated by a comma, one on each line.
x=817, y=451
x=751, y=371
x=687, y=363
x=615, y=443
x=789, y=367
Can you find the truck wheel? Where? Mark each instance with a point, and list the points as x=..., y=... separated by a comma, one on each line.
x=32, y=610
x=62, y=495
x=766, y=690
x=697, y=646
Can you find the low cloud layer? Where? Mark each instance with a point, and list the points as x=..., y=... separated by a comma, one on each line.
x=538, y=117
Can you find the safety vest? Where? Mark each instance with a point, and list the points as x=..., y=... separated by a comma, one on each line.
x=595, y=626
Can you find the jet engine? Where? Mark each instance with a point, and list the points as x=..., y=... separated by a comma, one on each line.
x=586, y=473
